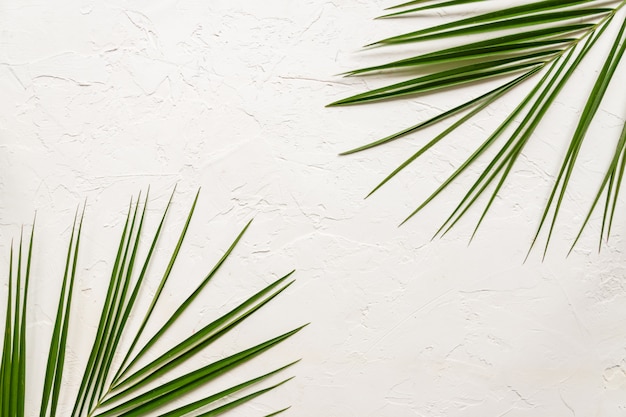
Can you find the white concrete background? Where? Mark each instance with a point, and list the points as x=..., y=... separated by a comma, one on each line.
x=101, y=100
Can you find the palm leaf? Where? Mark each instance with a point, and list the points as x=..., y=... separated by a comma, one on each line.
x=541, y=42
x=110, y=387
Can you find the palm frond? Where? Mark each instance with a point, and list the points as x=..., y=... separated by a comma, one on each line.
x=13, y=363
x=110, y=387
x=543, y=42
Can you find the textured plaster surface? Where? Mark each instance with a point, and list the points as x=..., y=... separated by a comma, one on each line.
x=103, y=99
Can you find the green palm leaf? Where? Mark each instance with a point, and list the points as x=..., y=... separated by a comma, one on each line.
x=541, y=42
x=110, y=387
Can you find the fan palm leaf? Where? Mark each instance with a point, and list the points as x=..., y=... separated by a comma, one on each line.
x=110, y=387
x=540, y=42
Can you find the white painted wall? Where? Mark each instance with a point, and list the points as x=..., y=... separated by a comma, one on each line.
x=103, y=99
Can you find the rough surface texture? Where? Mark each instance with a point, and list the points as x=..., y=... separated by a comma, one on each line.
x=103, y=99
